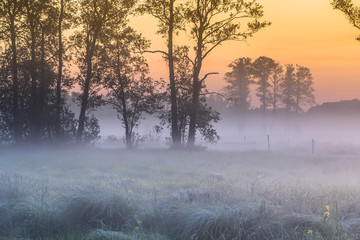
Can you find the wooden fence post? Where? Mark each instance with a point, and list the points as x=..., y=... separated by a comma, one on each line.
x=312, y=146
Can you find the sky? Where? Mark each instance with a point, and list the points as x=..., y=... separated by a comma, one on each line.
x=305, y=32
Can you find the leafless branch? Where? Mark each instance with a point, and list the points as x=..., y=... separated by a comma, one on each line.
x=208, y=74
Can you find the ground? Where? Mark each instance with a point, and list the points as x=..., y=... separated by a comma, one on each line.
x=164, y=194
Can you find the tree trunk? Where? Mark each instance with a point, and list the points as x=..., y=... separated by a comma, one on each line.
x=35, y=129
x=128, y=134
x=59, y=77
x=196, y=90
x=193, y=112
x=42, y=84
x=90, y=49
x=176, y=138
x=195, y=100
x=15, y=84
x=84, y=100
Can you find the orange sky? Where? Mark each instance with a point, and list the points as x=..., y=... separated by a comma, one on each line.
x=305, y=32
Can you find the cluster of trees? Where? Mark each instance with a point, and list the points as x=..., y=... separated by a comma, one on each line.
x=277, y=86
x=49, y=47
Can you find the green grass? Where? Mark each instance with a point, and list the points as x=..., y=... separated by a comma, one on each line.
x=163, y=194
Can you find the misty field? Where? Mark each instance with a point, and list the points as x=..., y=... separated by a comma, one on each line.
x=163, y=194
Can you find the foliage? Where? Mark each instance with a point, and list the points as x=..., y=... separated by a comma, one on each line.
x=207, y=115
x=293, y=88
x=303, y=88
x=213, y=22
x=239, y=80
x=351, y=11
x=131, y=92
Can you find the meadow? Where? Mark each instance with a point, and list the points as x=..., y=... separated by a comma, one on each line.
x=118, y=194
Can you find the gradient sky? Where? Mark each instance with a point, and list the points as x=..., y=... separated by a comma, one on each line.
x=304, y=32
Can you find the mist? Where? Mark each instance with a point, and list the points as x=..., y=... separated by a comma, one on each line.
x=111, y=129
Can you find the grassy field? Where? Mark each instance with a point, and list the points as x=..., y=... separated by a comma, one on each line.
x=163, y=194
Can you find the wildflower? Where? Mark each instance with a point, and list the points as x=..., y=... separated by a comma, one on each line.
x=326, y=208
x=326, y=214
x=310, y=232
x=130, y=191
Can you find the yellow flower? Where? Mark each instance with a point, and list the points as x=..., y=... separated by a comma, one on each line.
x=130, y=191
x=326, y=214
x=326, y=208
x=310, y=232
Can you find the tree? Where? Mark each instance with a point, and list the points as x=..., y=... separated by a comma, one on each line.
x=39, y=25
x=263, y=70
x=131, y=92
x=183, y=83
x=239, y=80
x=6, y=113
x=10, y=11
x=288, y=87
x=97, y=19
x=212, y=23
x=351, y=11
x=275, y=85
x=65, y=20
x=170, y=22
x=304, y=91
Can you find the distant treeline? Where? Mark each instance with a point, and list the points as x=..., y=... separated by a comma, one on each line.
x=36, y=58
x=289, y=87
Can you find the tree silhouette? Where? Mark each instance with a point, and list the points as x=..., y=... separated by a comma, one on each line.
x=239, y=80
x=97, y=18
x=170, y=22
x=10, y=11
x=39, y=29
x=304, y=91
x=65, y=20
x=207, y=115
x=351, y=11
x=288, y=87
x=131, y=92
x=263, y=70
x=213, y=22
x=275, y=85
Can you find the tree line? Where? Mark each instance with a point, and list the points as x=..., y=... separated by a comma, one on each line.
x=289, y=87
x=43, y=41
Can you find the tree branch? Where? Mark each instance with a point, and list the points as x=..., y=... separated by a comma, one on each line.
x=216, y=93
x=156, y=51
x=208, y=74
